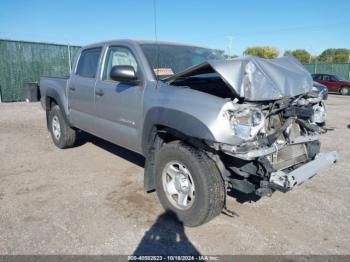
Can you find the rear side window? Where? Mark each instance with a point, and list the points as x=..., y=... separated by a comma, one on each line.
x=88, y=62
x=325, y=77
x=317, y=77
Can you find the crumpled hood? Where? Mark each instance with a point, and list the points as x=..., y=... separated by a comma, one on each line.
x=257, y=79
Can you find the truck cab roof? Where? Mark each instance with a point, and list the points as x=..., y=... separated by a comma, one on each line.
x=137, y=42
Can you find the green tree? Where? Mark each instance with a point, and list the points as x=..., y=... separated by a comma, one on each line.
x=222, y=53
x=314, y=60
x=302, y=55
x=334, y=55
x=288, y=53
x=262, y=51
x=230, y=56
x=219, y=52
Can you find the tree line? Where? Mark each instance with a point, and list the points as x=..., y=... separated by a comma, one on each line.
x=330, y=55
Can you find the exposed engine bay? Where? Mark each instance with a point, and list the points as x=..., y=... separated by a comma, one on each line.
x=276, y=138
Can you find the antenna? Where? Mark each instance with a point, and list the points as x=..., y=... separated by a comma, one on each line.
x=156, y=37
x=155, y=20
x=229, y=45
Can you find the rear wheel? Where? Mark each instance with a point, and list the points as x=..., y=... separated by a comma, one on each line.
x=62, y=134
x=189, y=183
x=345, y=90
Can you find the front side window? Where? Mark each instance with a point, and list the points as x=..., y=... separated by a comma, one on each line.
x=117, y=56
x=88, y=62
x=337, y=78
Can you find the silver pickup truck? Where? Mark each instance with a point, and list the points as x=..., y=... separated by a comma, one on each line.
x=205, y=125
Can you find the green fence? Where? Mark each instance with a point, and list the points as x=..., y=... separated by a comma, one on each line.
x=335, y=69
x=22, y=62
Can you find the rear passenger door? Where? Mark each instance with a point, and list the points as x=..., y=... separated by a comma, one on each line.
x=81, y=89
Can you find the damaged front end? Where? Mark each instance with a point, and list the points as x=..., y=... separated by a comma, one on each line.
x=267, y=134
x=280, y=145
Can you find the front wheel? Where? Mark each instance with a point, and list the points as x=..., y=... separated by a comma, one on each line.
x=189, y=183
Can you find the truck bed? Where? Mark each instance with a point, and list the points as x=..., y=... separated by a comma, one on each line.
x=57, y=83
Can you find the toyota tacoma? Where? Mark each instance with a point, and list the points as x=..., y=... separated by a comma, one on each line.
x=205, y=125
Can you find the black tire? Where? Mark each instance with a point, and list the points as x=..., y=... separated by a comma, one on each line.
x=344, y=90
x=67, y=134
x=209, y=186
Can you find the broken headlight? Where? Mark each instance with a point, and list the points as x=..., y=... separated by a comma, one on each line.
x=319, y=115
x=246, y=122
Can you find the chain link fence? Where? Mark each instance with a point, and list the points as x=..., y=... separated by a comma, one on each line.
x=22, y=62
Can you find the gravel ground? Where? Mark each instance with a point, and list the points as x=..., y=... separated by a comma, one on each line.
x=90, y=200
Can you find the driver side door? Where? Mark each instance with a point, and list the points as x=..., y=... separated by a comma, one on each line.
x=118, y=106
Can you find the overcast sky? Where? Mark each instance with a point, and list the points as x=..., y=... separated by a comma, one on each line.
x=312, y=25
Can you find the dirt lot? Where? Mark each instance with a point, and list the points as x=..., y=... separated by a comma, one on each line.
x=90, y=200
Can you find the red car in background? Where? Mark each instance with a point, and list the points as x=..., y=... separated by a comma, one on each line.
x=334, y=83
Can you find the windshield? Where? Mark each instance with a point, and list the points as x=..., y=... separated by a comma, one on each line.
x=169, y=59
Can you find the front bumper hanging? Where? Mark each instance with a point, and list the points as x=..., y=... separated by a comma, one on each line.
x=286, y=181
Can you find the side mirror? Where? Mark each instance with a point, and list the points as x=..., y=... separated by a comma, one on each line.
x=123, y=73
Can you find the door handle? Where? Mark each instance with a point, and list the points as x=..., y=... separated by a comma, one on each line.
x=99, y=92
x=72, y=88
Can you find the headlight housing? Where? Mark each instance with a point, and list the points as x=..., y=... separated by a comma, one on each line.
x=319, y=115
x=246, y=122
